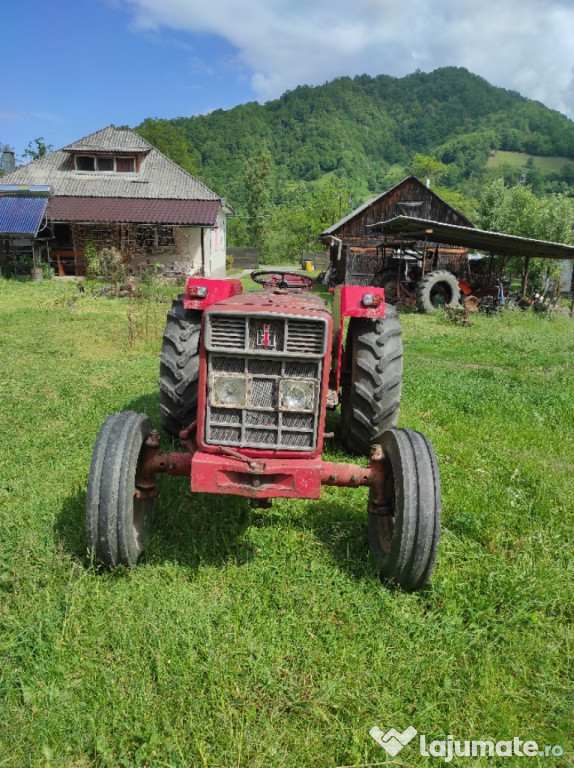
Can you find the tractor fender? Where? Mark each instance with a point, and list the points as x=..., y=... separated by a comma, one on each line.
x=348, y=302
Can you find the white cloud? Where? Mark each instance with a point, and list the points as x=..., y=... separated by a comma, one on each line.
x=524, y=45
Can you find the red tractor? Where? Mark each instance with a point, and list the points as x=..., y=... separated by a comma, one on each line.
x=245, y=383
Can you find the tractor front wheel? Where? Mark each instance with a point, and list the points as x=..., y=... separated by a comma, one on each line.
x=403, y=536
x=117, y=521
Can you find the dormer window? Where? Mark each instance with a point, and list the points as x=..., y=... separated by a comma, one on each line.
x=105, y=164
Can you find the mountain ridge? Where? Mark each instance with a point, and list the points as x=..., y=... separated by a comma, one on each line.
x=366, y=129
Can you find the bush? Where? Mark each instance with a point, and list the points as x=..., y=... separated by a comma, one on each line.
x=92, y=261
x=47, y=270
x=106, y=264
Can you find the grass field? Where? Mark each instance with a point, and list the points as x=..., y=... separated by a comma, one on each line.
x=263, y=638
x=519, y=160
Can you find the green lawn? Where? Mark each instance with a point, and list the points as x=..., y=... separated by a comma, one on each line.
x=519, y=160
x=263, y=638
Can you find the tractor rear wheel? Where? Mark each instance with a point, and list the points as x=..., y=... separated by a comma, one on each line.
x=179, y=369
x=438, y=289
x=371, y=403
x=404, y=541
x=387, y=280
x=117, y=522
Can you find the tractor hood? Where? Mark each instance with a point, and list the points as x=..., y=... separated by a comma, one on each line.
x=284, y=302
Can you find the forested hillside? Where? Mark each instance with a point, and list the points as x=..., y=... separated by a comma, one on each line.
x=335, y=145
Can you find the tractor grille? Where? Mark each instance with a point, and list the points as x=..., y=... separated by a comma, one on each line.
x=291, y=335
x=263, y=351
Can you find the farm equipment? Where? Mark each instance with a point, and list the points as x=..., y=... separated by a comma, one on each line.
x=408, y=277
x=441, y=289
x=434, y=290
x=245, y=383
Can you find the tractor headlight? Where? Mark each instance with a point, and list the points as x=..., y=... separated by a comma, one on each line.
x=372, y=300
x=229, y=391
x=296, y=395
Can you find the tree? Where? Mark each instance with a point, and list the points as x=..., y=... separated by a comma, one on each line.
x=517, y=211
x=371, y=128
x=171, y=141
x=40, y=150
x=257, y=181
x=425, y=167
x=462, y=203
x=308, y=211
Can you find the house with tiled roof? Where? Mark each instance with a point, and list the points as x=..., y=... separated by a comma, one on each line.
x=113, y=188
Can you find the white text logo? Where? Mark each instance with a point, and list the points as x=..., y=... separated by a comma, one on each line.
x=392, y=742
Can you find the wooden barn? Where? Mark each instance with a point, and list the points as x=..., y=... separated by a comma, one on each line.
x=360, y=256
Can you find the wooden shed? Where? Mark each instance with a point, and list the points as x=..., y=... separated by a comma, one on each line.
x=358, y=254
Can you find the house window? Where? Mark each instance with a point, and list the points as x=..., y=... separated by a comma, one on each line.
x=105, y=163
x=84, y=163
x=97, y=164
x=125, y=164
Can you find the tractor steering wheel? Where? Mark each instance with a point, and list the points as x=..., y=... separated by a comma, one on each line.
x=283, y=280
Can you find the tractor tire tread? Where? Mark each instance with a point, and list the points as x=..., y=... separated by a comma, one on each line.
x=111, y=523
x=410, y=558
x=179, y=369
x=428, y=282
x=371, y=403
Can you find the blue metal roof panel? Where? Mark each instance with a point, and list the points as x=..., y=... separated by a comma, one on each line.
x=21, y=215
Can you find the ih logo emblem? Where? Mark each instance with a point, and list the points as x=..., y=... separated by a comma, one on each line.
x=266, y=337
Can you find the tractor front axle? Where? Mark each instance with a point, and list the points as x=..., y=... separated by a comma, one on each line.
x=231, y=472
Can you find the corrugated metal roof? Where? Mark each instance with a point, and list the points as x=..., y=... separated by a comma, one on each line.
x=479, y=239
x=158, y=177
x=335, y=227
x=21, y=215
x=86, y=209
x=110, y=139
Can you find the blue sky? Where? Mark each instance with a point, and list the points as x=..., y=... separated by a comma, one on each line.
x=75, y=67
x=72, y=67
